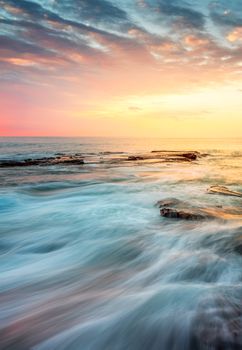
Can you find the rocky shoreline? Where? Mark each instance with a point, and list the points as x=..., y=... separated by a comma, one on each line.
x=105, y=157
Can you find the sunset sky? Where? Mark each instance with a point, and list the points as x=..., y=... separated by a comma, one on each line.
x=162, y=68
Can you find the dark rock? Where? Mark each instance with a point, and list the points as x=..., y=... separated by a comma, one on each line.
x=11, y=163
x=177, y=159
x=134, y=158
x=191, y=156
x=169, y=202
x=71, y=161
x=182, y=214
x=107, y=153
x=177, y=209
x=42, y=161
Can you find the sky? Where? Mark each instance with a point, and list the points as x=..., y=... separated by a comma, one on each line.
x=121, y=68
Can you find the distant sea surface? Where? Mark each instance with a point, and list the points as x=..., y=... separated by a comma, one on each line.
x=88, y=263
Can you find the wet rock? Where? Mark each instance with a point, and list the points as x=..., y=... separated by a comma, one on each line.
x=183, y=214
x=134, y=158
x=168, y=202
x=216, y=189
x=72, y=160
x=177, y=156
x=173, y=208
x=107, y=153
x=176, y=209
x=191, y=156
x=157, y=157
x=176, y=159
x=10, y=163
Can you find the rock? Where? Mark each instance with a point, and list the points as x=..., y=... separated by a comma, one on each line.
x=191, y=156
x=183, y=214
x=107, y=153
x=177, y=159
x=157, y=157
x=130, y=158
x=72, y=160
x=223, y=190
x=176, y=209
x=169, y=202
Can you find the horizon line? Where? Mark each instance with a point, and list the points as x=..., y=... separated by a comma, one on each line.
x=122, y=137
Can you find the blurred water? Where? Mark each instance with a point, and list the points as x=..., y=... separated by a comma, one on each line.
x=86, y=261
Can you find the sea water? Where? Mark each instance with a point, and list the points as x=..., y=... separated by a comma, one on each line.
x=88, y=263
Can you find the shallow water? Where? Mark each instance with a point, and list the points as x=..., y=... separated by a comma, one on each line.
x=86, y=261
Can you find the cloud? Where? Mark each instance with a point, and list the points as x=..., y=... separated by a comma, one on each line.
x=14, y=45
x=226, y=13
x=94, y=11
x=68, y=37
x=177, y=11
x=235, y=35
x=52, y=36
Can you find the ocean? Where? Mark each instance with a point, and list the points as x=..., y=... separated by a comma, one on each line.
x=88, y=263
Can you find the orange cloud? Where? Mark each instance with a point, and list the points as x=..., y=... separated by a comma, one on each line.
x=194, y=41
x=235, y=35
x=19, y=61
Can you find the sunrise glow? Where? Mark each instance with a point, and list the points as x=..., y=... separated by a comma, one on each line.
x=120, y=68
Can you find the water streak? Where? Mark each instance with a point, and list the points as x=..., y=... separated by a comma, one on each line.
x=86, y=261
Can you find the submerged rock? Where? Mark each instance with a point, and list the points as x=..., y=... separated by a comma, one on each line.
x=217, y=324
x=216, y=189
x=237, y=244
